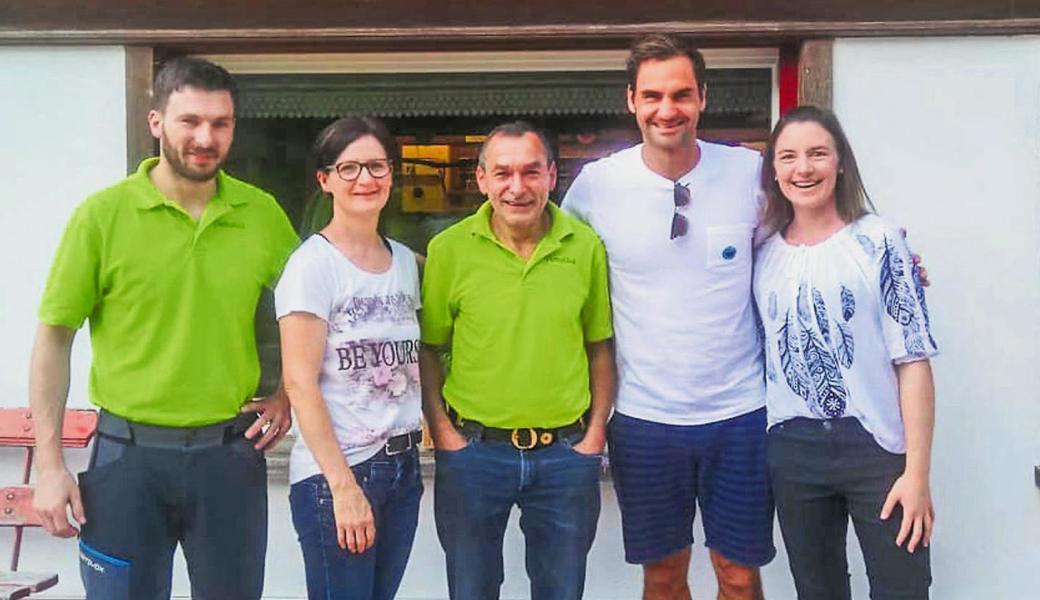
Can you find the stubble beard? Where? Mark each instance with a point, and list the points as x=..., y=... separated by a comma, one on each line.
x=181, y=168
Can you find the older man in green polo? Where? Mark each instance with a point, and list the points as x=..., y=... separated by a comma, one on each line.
x=517, y=296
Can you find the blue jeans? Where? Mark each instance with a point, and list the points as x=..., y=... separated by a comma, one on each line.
x=393, y=486
x=557, y=491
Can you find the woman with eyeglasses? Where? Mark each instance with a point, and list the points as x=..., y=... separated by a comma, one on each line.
x=346, y=305
x=849, y=391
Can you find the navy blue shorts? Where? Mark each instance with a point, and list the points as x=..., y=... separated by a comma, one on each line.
x=661, y=472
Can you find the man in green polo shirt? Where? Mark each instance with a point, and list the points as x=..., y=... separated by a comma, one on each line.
x=517, y=294
x=167, y=266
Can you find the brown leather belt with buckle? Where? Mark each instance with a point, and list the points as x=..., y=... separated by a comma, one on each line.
x=522, y=438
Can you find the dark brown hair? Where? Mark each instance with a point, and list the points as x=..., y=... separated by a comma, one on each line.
x=186, y=71
x=658, y=46
x=343, y=132
x=517, y=129
x=849, y=194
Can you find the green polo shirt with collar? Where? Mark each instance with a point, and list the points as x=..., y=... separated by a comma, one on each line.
x=170, y=300
x=517, y=330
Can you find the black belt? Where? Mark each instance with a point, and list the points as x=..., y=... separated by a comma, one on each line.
x=159, y=436
x=400, y=444
x=522, y=438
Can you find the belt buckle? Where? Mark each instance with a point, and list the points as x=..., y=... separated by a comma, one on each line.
x=532, y=435
x=407, y=446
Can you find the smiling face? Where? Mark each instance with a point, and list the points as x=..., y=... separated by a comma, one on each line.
x=195, y=130
x=806, y=163
x=366, y=194
x=667, y=101
x=517, y=177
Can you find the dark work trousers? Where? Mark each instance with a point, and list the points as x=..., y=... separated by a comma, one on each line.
x=823, y=472
x=140, y=501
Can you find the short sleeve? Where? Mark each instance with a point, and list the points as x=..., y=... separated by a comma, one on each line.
x=283, y=241
x=306, y=285
x=73, y=288
x=595, y=314
x=905, y=323
x=576, y=201
x=437, y=314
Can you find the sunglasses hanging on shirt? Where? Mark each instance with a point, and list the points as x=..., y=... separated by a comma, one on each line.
x=681, y=196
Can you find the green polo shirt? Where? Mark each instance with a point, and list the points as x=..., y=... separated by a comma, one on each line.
x=170, y=300
x=517, y=329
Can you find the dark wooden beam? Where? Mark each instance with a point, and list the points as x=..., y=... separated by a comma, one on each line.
x=155, y=15
x=488, y=37
x=815, y=73
x=139, y=141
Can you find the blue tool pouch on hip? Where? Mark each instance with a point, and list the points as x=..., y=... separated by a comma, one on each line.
x=104, y=576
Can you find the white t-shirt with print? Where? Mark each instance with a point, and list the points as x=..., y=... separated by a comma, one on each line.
x=370, y=372
x=688, y=350
x=836, y=316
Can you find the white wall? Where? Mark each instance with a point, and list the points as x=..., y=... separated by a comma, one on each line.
x=63, y=120
x=947, y=133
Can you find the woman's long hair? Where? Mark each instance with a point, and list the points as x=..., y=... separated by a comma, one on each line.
x=849, y=194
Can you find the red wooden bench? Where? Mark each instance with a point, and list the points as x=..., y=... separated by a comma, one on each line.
x=16, y=431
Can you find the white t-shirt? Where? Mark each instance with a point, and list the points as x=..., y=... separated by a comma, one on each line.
x=687, y=343
x=836, y=316
x=370, y=374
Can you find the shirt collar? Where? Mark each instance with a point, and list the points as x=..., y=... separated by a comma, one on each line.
x=150, y=196
x=560, y=228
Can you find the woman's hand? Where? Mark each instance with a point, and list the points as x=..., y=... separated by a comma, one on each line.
x=355, y=524
x=913, y=494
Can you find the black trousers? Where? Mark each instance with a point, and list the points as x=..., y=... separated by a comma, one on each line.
x=823, y=472
x=140, y=502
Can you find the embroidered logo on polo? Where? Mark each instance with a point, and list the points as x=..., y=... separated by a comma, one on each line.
x=560, y=259
x=729, y=252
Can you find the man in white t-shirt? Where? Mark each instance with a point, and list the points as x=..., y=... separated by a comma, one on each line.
x=678, y=216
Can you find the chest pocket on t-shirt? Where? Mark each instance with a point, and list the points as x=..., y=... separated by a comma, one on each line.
x=728, y=246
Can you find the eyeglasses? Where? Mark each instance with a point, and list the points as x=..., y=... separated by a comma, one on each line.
x=681, y=197
x=350, y=170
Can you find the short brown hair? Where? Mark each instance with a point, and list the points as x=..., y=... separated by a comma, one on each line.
x=658, y=46
x=187, y=71
x=517, y=129
x=343, y=132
